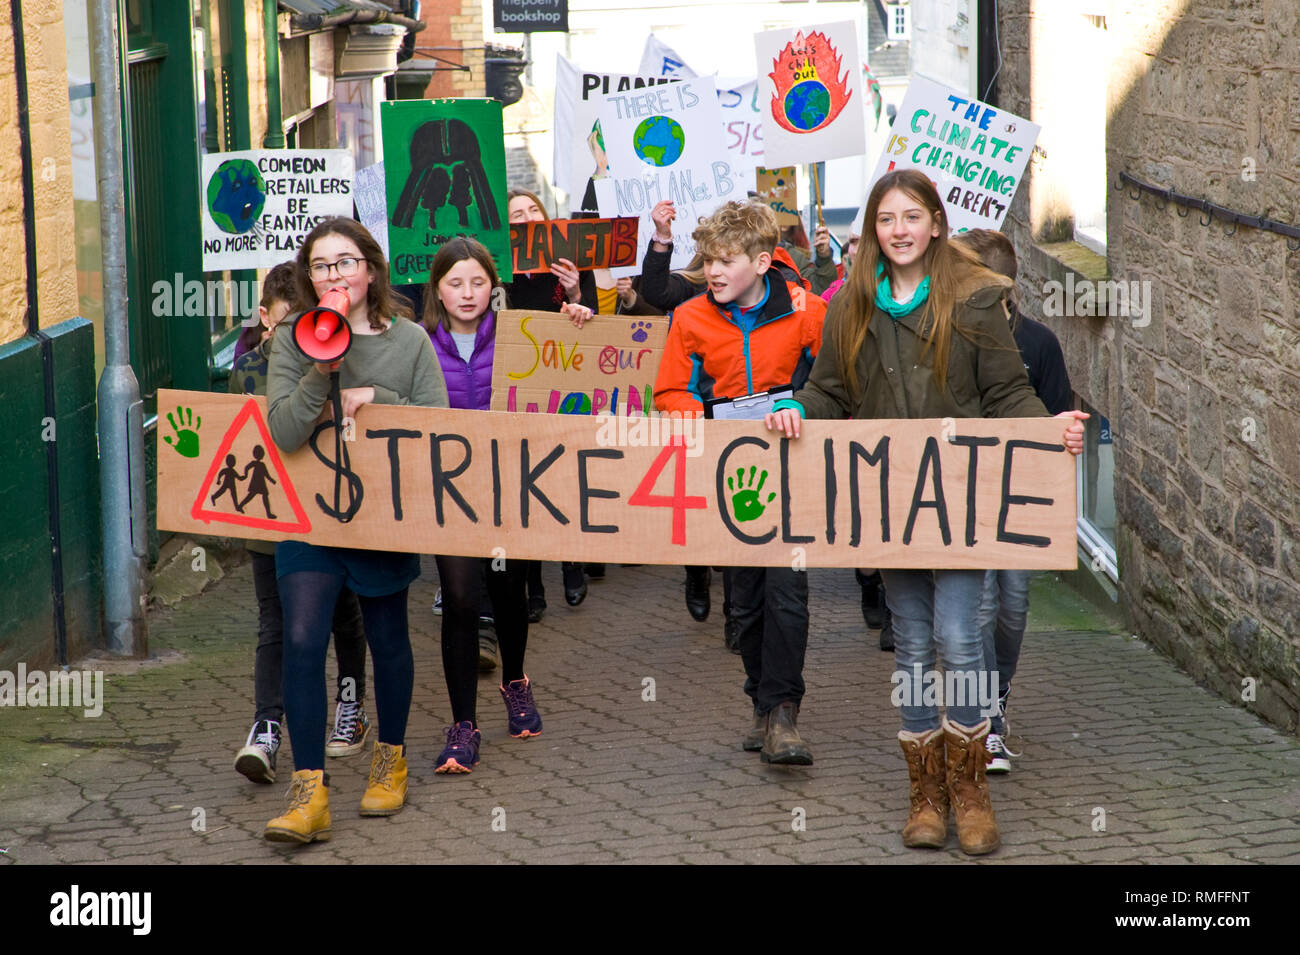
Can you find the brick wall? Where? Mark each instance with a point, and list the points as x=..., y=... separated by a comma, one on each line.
x=454, y=31
x=1205, y=399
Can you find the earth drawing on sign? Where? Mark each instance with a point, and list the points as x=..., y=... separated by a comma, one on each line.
x=807, y=105
x=659, y=141
x=236, y=195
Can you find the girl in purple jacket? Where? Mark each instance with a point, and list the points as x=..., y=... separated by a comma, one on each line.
x=459, y=319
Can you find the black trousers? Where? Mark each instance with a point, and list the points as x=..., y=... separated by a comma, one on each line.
x=770, y=608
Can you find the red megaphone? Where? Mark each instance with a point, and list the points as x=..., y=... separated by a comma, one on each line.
x=322, y=333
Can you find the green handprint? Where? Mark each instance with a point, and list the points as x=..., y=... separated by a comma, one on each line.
x=745, y=503
x=187, y=432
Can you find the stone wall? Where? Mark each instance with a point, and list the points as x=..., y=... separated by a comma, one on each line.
x=1203, y=391
x=50, y=128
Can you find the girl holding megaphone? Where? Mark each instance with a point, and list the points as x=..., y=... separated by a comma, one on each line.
x=355, y=328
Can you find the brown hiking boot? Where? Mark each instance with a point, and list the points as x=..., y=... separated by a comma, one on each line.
x=782, y=744
x=927, y=820
x=968, y=790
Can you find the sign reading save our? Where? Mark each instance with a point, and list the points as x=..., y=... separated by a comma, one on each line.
x=974, y=493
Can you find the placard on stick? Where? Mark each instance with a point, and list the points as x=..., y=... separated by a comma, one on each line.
x=259, y=204
x=445, y=174
x=543, y=363
x=777, y=187
x=662, y=490
x=587, y=243
x=975, y=154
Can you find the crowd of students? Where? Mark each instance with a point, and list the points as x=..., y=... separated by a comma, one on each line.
x=908, y=325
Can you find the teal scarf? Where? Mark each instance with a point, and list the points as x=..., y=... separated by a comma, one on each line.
x=885, y=301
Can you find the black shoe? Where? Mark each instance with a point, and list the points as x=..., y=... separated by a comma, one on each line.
x=596, y=571
x=575, y=583
x=887, y=633
x=698, y=580
x=536, y=608
x=873, y=601
x=731, y=636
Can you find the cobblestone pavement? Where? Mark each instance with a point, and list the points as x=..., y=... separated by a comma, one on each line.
x=1104, y=724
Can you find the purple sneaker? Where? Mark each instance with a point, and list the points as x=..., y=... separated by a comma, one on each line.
x=522, y=712
x=460, y=755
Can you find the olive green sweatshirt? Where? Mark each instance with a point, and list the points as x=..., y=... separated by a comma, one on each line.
x=399, y=363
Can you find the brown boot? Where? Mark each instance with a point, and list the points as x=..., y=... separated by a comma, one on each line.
x=977, y=830
x=782, y=744
x=753, y=741
x=927, y=820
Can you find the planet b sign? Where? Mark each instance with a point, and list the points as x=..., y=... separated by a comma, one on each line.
x=659, y=141
x=814, y=94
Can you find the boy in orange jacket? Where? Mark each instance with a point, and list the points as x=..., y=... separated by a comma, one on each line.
x=750, y=332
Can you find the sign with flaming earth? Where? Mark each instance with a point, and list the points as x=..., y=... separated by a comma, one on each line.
x=810, y=88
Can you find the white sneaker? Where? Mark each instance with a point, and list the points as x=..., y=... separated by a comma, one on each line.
x=350, y=730
x=257, y=759
x=437, y=603
x=999, y=755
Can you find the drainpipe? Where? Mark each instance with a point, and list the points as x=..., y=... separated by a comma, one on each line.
x=121, y=413
x=274, y=121
x=33, y=323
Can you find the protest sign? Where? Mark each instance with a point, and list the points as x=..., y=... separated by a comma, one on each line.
x=974, y=153
x=810, y=85
x=921, y=494
x=665, y=143
x=543, y=364
x=580, y=158
x=445, y=170
x=742, y=121
x=372, y=203
x=259, y=204
x=587, y=243
x=777, y=187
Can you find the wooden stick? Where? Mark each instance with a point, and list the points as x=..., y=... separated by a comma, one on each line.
x=817, y=194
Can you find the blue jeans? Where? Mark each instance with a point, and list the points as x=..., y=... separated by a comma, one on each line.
x=934, y=621
x=1004, y=609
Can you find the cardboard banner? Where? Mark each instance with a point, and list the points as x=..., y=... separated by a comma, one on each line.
x=975, y=493
x=580, y=159
x=445, y=170
x=543, y=363
x=742, y=117
x=259, y=204
x=587, y=243
x=810, y=83
x=665, y=143
x=778, y=188
x=975, y=154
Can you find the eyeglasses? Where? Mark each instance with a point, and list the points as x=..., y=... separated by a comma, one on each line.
x=346, y=266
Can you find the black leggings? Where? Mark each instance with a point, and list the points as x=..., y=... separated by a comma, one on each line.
x=308, y=598
x=461, y=580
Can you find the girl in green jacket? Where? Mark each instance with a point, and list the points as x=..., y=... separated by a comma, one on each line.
x=918, y=332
